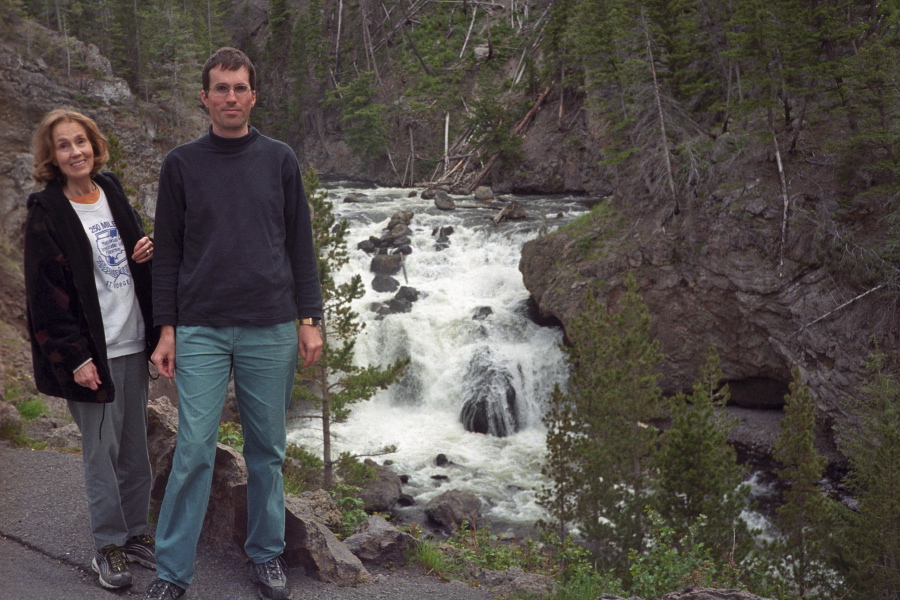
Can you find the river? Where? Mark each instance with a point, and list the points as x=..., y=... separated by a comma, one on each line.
x=471, y=316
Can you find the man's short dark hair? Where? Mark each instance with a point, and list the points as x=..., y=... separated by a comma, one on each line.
x=229, y=59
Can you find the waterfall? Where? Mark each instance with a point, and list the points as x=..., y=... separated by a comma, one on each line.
x=473, y=349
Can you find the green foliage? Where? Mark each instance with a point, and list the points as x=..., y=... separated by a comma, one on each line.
x=427, y=554
x=31, y=409
x=698, y=475
x=598, y=434
x=346, y=498
x=869, y=545
x=363, y=119
x=493, y=123
x=480, y=546
x=340, y=380
x=231, y=434
x=672, y=561
x=117, y=160
x=803, y=520
x=870, y=153
x=302, y=470
x=589, y=586
x=352, y=471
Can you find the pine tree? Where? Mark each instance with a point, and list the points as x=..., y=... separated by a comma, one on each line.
x=803, y=520
x=341, y=382
x=869, y=546
x=697, y=470
x=599, y=433
x=362, y=118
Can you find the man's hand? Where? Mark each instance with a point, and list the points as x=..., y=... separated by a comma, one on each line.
x=143, y=250
x=309, y=342
x=164, y=355
x=87, y=376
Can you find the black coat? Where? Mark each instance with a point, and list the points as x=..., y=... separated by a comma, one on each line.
x=63, y=310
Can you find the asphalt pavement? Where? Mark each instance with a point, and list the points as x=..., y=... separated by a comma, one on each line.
x=46, y=548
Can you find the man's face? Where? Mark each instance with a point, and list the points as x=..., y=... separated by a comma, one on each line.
x=229, y=100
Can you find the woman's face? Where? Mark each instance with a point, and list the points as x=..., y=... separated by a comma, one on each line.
x=72, y=150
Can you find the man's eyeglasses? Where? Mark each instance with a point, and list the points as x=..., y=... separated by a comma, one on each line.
x=221, y=90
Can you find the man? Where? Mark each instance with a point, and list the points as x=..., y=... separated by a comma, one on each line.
x=234, y=268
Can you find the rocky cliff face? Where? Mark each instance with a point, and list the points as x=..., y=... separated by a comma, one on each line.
x=730, y=271
x=35, y=77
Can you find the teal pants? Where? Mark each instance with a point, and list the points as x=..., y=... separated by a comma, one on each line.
x=263, y=360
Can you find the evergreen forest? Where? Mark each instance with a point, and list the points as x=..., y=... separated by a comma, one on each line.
x=441, y=91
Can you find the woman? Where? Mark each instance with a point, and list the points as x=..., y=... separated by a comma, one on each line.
x=89, y=319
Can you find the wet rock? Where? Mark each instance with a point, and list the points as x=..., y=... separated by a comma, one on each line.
x=489, y=406
x=403, y=217
x=407, y=293
x=482, y=313
x=453, y=507
x=355, y=197
x=511, y=212
x=386, y=264
x=399, y=230
x=367, y=246
x=443, y=201
x=399, y=305
x=380, y=494
x=484, y=193
x=385, y=283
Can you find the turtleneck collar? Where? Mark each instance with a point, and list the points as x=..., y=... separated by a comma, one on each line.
x=233, y=143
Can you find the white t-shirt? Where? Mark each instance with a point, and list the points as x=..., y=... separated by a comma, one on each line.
x=123, y=323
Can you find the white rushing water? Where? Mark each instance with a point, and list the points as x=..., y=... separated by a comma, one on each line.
x=421, y=415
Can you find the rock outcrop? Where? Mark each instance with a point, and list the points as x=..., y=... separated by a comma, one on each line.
x=382, y=493
x=378, y=542
x=727, y=271
x=453, y=508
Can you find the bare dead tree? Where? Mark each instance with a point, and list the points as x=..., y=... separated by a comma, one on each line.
x=662, y=120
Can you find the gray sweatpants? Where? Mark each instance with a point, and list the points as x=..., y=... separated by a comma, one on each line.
x=117, y=474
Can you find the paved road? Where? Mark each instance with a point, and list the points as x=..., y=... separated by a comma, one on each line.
x=46, y=550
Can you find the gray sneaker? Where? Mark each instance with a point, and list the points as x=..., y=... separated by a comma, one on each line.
x=270, y=579
x=163, y=590
x=141, y=549
x=110, y=564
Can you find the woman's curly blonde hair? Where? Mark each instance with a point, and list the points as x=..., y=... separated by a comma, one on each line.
x=44, y=150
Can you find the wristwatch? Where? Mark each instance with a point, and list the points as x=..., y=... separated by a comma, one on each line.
x=314, y=321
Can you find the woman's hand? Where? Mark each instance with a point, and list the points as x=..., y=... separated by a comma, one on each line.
x=143, y=250
x=87, y=376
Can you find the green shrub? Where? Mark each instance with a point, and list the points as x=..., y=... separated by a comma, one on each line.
x=352, y=471
x=670, y=563
x=302, y=470
x=31, y=409
x=428, y=554
x=232, y=435
x=347, y=499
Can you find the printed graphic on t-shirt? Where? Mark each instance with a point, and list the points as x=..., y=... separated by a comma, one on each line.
x=113, y=260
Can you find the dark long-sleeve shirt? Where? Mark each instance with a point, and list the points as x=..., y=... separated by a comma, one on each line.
x=233, y=235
